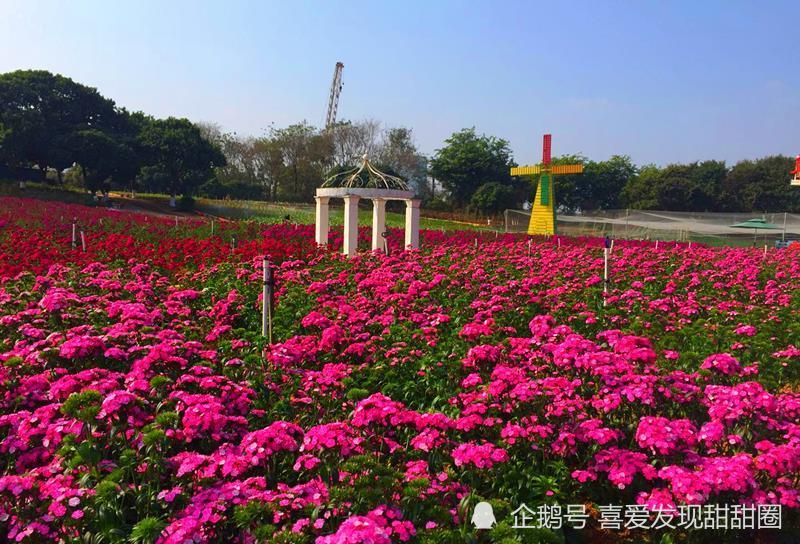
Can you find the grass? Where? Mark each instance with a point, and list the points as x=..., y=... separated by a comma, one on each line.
x=44, y=191
x=268, y=212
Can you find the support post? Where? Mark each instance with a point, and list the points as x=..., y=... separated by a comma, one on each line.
x=323, y=220
x=267, y=301
x=350, y=225
x=412, y=223
x=605, y=274
x=378, y=223
x=783, y=238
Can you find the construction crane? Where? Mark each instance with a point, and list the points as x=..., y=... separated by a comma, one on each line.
x=333, y=101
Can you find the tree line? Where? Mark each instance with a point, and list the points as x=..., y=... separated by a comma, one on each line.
x=288, y=164
x=74, y=134
x=57, y=125
x=474, y=170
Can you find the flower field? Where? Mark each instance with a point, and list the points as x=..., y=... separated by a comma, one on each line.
x=139, y=402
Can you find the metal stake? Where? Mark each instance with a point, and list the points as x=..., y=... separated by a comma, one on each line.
x=268, y=300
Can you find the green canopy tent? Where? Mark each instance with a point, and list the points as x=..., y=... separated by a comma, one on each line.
x=755, y=224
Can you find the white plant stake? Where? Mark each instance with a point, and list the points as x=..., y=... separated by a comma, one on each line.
x=656, y=244
x=83, y=242
x=765, y=251
x=529, y=247
x=606, y=251
x=74, y=235
x=212, y=227
x=267, y=294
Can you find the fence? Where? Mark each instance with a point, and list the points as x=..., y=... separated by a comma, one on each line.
x=703, y=227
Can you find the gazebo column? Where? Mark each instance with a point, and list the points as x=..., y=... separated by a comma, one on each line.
x=378, y=223
x=412, y=223
x=350, y=225
x=323, y=220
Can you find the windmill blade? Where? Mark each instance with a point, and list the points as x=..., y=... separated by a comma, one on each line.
x=526, y=170
x=567, y=169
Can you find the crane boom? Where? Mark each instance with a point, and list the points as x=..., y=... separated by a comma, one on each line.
x=333, y=100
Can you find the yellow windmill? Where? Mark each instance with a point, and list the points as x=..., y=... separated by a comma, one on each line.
x=543, y=211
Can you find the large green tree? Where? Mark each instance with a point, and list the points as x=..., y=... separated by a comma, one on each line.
x=468, y=161
x=492, y=198
x=177, y=158
x=760, y=186
x=41, y=114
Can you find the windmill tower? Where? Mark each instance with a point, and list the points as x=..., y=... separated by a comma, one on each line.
x=333, y=100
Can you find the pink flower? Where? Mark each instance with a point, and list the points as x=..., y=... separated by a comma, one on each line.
x=484, y=455
x=745, y=330
x=665, y=436
x=79, y=347
x=723, y=363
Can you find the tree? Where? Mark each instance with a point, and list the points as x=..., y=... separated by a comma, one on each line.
x=760, y=186
x=690, y=187
x=41, y=113
x=268, y=165
x=101, y=159
x=177, y=159
x=468, y=161
x=350, y=141
x=305, y=152
x=600, y=186
x=398, y=152
x=639, y=190
x=492, y=197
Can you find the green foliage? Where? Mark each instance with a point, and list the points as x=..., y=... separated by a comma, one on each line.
x=749, y=186
x=84, y=406
x=492, y=198
x=177, y=158
x=468, y=161
x=42, y=113
x=598, y=187
x=146, y=531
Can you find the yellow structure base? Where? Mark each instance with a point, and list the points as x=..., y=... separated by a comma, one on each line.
x=543, y=214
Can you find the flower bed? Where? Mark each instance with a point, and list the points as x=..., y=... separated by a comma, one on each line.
x=140, y=402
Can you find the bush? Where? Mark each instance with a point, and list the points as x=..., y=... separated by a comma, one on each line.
x=492, y=198
x=186, y=203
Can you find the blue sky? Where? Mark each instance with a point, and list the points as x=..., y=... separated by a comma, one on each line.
x=659, y=81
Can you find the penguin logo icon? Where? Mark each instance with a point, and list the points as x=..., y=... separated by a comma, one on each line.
x=483, y=516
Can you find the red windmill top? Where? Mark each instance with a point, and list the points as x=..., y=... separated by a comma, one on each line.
x=547, y=146
x=796, y=170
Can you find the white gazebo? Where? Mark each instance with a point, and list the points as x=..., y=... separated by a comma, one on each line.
x=365, y=181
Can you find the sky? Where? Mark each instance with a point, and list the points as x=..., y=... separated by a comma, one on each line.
x=662, y=82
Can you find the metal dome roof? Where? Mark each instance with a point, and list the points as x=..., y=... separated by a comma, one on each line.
x=365, y=176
